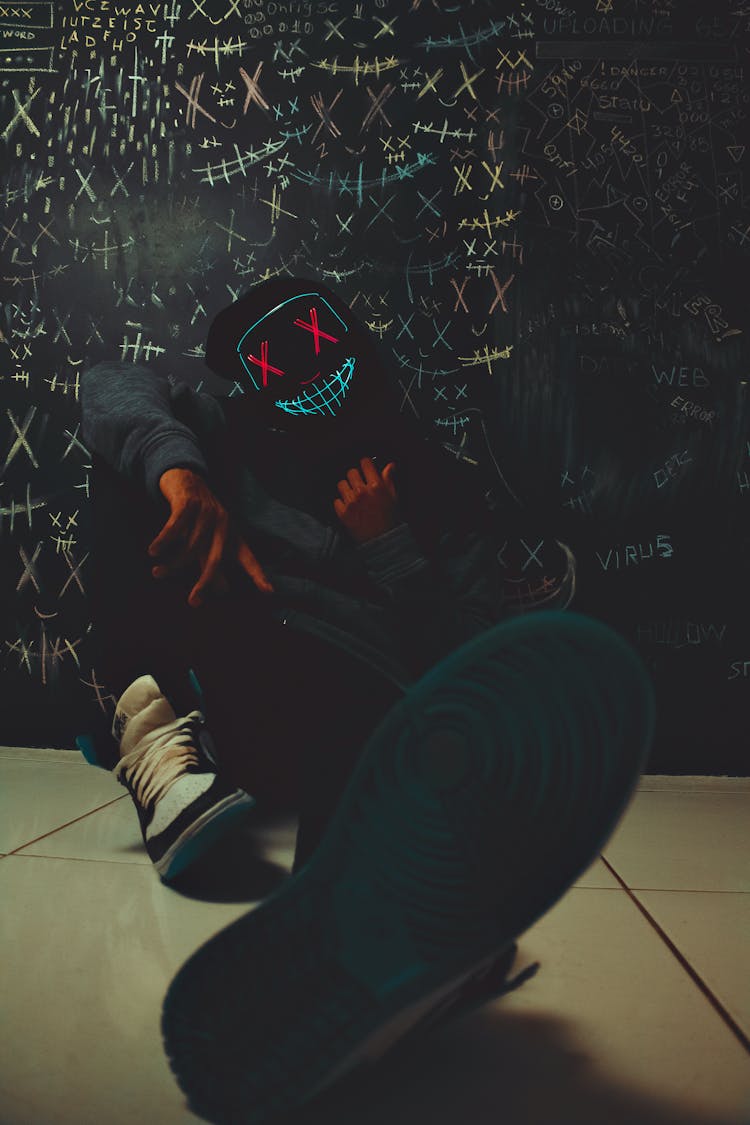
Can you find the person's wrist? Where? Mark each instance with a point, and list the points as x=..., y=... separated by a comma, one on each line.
x=175, y=480
x=375, y=532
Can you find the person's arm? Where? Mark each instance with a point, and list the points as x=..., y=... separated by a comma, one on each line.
x=129, y=422
x=199, y=531
x=438, y=603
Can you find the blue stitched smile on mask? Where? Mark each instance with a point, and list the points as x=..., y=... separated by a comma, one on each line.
x=324, y=397
x=299, y=346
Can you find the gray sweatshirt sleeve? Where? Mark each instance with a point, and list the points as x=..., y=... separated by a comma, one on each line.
x=129, y=421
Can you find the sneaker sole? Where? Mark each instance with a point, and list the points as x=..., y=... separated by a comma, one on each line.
x=202, y=834
x=476, y=803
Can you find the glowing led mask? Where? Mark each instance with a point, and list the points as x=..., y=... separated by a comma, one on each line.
x=298, y=351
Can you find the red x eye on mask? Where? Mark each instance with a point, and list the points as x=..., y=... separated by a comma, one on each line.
x=297, y=353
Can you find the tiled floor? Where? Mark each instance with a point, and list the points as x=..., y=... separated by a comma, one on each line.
x=640, y=1013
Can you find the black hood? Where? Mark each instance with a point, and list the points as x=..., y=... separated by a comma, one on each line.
x=305, y=362
x=317, y=399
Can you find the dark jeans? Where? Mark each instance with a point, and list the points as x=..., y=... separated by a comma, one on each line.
x=288, y=712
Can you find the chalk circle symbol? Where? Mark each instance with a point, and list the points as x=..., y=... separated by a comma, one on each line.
x=640, y=203
x=555, y=202
x=554, y=109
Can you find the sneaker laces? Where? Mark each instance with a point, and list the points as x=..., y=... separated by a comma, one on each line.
x=152, y=770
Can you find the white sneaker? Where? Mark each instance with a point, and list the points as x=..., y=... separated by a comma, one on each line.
x=168, y=766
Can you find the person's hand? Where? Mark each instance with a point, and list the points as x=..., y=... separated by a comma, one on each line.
x=198, y=533
x=367, y=501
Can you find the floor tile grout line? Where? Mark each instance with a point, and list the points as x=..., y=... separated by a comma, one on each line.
x=78, y=859
x=689, y=891
x=66, y=825
x=696, y=978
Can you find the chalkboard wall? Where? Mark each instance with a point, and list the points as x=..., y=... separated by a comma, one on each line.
x=540, y=210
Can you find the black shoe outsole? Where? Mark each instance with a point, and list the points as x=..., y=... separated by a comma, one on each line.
x=476, y=803
x=201, y=835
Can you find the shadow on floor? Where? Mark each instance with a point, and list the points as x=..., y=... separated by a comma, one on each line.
x=234, y=868
x=495, y=1068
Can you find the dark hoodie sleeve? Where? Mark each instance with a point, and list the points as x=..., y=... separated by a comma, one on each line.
x=440, y=602
x=128, y=420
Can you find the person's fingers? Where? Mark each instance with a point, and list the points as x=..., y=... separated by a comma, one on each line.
x=345, y=489
x=189, y=550
x=205, y=530
x=252, y=567
x=340, y=507
x=198, y=542
x=171, y=533
x=370, y=472
x=389, y=473
x=210, y=566
x=355, y=479
x=219, y=585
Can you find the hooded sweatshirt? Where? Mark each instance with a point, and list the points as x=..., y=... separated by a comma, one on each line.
x=315, y=401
